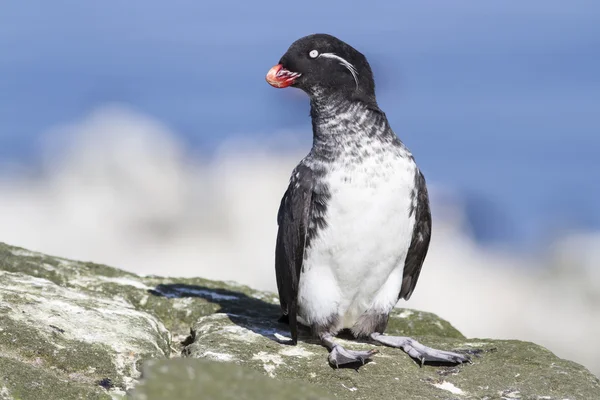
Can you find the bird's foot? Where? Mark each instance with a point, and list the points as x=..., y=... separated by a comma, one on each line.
x=340, y=356
x=420, y=352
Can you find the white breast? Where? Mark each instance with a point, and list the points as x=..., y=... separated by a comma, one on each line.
x=356, y=262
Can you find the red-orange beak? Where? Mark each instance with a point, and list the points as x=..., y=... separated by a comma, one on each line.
x=280, y=77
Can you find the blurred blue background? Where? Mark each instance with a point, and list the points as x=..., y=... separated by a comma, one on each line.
x=499, y=101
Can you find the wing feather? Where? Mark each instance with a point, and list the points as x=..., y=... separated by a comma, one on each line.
x=293, y=220
x=421, y=237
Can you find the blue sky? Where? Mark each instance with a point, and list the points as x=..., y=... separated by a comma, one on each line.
x=500, y=100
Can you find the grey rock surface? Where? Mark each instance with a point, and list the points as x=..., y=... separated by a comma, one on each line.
x=77, y=330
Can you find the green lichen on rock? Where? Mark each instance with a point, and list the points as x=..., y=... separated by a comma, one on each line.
x=177, y=303
x=407, y=322
x=55, y=269
x=191, y=379
x=77, y=330
x=500, y=368
x=21, y=380
x=68, y=333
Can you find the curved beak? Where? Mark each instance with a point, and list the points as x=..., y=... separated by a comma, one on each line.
x=280, y=77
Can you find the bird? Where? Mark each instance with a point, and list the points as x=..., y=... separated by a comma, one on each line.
x=354, y=224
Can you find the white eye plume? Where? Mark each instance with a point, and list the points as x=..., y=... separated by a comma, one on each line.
x=313, y=54
x=343, y=63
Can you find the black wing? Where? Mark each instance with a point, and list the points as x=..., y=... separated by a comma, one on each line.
x=420, y=239
x=293, y=219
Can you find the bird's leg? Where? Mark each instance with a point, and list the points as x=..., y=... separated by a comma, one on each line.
x=340, y=356
x=418, y=351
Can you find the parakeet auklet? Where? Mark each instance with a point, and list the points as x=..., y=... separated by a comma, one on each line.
x=354, y=223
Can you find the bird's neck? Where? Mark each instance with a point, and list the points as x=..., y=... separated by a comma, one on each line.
x=337, y=119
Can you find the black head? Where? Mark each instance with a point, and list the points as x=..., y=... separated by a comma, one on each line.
x=322, y=64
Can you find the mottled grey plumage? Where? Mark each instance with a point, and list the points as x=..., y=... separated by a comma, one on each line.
x=354, y=222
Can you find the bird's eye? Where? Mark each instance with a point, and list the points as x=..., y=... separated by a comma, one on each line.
x=313, y=54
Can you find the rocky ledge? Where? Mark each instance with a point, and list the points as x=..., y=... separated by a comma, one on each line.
x=76, y=330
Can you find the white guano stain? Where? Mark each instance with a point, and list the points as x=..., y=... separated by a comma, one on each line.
x=270, y=362
x=124, y=281
x=352, y=389
x=47, y=267
x=239, y=333
x=182, y=304
x=144, y=300
x=296, y=351
x=449, y=387
x=24, y=253
x=217, y=356
x=510, y=394
x=4, y=393
x=116, y=394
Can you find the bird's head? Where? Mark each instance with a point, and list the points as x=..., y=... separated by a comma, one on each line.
x=322, y=64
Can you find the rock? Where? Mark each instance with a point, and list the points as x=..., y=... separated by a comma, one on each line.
x=76, y=330
x=191, y=379
x=64, y=342
x=500, y=369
